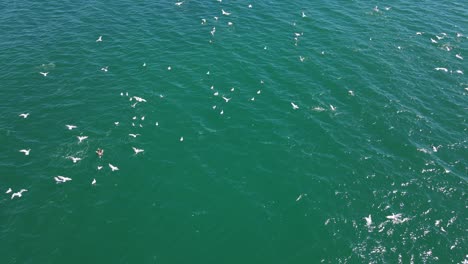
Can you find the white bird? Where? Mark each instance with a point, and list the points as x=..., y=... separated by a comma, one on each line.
x=81, y=138
x=70, y=127
x=179, y=3
x=113, y=168
x=226, y=99
x=459, y=56
x=433, y=40
x=229, y=23
x=216, y=93
x=99, y=39
x=332, y=108
x=93, y=182
x=250, y=6
x=294, y=106
x=441, y=69
x=351, y=92
x=459, y=71
x=259, y=91
x=25, y=151
x=133, y=105
x=105, y=69
x=395, y=218
x=301, y=58
x=213, y=31
x=24, y=115
x=303, y=14
x=203, y=21
x=232, y=89
x=222, y=112
x=459, y=35
x=142, y=118
x=9, y=191
x=299, y=197
x=156, y=124
x=74, y=159
x=225, y=13
x=116, y=123
x=419, y=33
x=139, y=99
x=44, y=73
x=18, y=194
x=134, y=135
x=252, y=99
x=169, y=68
x=99, y=167
x=144, y=64
x=368, y=220
x=62, y=179
x=137, y=150
x=181, y=139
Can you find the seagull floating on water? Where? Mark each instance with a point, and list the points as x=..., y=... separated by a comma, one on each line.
x=93, y=182
x=181, y=139
x=18, y=194
x=24, y=115
x=179, y=3
x=134, y=135
x=303, y=14
x=105, y=69
x=9, y=191
x=459, y=56
x=441, y=69
x=70, y=127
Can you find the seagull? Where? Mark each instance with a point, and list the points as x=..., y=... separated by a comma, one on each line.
x=441, y=69
x=395, y=218
x=368, y=220
x=81, y=138
x=74, y=159
x=113, y=168
x=300, y=197
x=294, y=106
x=70, y=127
x=225, y=13
x=459, y=56
x=18, y=194
x=133, y=105
x=459, y=35
x=139, y=99
x=181, y=139
x=232, y=89
x=105, y=69
x=99, y=39
x=116, y=123
x=179, y=3
x=252, y=99
x=301, y=58
x=351, y=92
x=203, y=21
x=142, y=118
x=303, y=14
x=93, y=182
x=25, y=151
x=226, y=99
x=24, y=115
x=134, y=135
x=8, y=191
x=216, y=93
x=44, y=73
x=213, y=31
x=144, y=64
x=419, y=33
x=99, y=167
x=222, y=112
x=433, y=40
x=259, y=91
x=62, y=179
x=250, y=6
x=156, y=124
x=214, y=107
x=137, y=150
x=229, y=23
x=332, y=108
x=459, y=71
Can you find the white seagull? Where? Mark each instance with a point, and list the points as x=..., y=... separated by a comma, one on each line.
x=74, y=159
x=226, y=99
x=441, y=69
x=25, y=151
x=44, y=73
x=225, y=13
x=105, y=69
x=179, y=3
x=113, y=168
x=134, y=135
x=62, y=179
x=24, y=115
x=459, y=56
x=9, y=191
x=99, y=39
x=70, y=127
x=303, y=14
x=81, y=138
x=18, y=194
x=99, y=167
x=294, y=106
x=137, y=150
x=395, y=218
x=332, y=108
x=181, y=139
x=93, y=182
x=368, y=220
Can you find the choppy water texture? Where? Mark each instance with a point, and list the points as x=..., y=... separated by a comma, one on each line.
x=378, y=131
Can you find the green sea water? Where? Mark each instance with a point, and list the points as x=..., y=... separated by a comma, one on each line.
x=246, y=178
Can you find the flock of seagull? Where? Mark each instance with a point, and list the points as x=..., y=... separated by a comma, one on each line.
x=395, y=218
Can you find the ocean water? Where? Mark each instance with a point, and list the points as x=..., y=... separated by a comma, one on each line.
x=375, y=130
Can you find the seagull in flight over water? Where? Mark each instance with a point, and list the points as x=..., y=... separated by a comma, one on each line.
x=62, y=179
x=113, y=168
x=25, y=151
x=44, y=73
x=99, y=39
x=70, y=127
x=81, y=138
x=368, y=220
x=294, y=106
x=24, y=115
x=74, y=159
x=179, y=3
x=137, y=150
x=18, y=194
